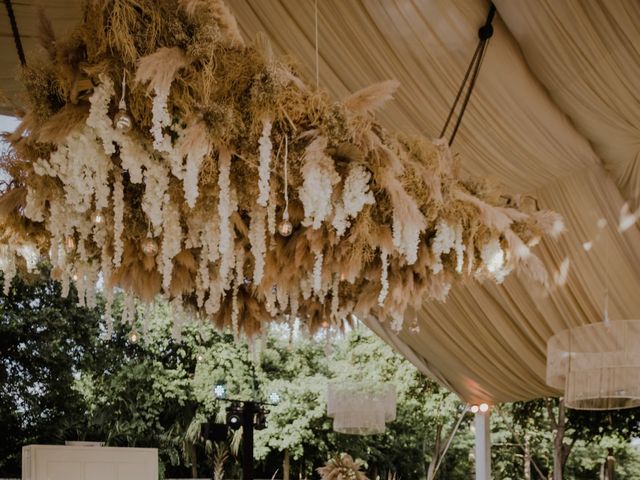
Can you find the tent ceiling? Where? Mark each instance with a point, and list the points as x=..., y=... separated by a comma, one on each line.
x=556, y=113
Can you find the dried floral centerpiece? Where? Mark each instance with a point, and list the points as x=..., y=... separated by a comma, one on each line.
x=161, y=152
x=342, y=467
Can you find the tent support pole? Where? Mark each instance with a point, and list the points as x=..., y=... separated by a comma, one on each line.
x=483, y=445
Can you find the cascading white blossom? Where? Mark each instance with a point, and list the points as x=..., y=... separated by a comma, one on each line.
x=270, y=301
x=196, y=139
x=91, y=272
x=171, y=241
x=258, y=240
x=83, y=168
x=335, y=298
x=99, y=118
x=239, y=280
x=133, y=157
x=160, y=120
x=212, y=305
x=319, y=176
x=202, y=278
x=225, y=245
x=295, y=305
x=355, y=195
x=156, y=179
x=406, y=238
x=118, y=219
x=30, y=255
x=493, y=259
x=265, y=161
x=283, y=299
x=397, y=321
x=8, y=267
x=35, y=207
x=211, y=236
x=317, y=273
x=271, y=213
x=459, y=248
x=443, y=242
x=128, y=310
x=306, y=287
x=384, y=277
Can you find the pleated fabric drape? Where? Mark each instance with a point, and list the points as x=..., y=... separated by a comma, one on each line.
x=555, y=114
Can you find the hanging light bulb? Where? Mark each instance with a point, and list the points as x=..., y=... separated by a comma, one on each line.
x=122, y=121
x=69, y=244
x=200, y=357
x=75, y=277
x=285, y=228
x=134, y=336
x=149, y=247
x=98, y=218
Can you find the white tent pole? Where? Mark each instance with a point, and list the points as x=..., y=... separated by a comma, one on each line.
x=483, y=444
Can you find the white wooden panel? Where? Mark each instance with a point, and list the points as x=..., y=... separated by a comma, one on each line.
x=53, y=462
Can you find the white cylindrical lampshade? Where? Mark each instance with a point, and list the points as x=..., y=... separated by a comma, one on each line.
x=361, y=409
x=598, y=365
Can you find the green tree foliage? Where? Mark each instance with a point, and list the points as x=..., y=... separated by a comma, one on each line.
x=45, y=342
x=60, y=380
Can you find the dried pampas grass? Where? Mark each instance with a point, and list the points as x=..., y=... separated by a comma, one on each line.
x=159, y=69
x=192, y=195
x=371, y=98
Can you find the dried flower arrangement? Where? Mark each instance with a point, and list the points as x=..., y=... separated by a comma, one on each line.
x=164, y=154
x=342, y=467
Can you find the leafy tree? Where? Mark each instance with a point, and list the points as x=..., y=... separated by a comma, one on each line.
x=45, y=341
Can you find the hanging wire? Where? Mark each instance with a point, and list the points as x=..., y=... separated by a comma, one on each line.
x=123, y=104
x=471, y=76
x=317, y=54
x=16, y=33
x=286, y=178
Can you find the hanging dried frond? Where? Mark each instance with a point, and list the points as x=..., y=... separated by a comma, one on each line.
x=372, y=97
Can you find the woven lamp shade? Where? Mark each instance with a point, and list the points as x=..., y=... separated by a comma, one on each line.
x=597, y=365
x=361, y=409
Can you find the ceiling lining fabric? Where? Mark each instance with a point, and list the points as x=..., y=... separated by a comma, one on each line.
x=555, y=113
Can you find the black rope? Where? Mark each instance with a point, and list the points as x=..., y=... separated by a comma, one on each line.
x=16, y=32
x=471, y=76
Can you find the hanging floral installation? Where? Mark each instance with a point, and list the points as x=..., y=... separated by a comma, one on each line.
x=161, y=153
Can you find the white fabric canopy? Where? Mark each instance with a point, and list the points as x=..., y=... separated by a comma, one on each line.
x=555, y=113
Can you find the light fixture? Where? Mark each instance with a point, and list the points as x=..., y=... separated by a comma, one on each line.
x=361, y=408
x=98, y=218
x=474, y=409
x=200, y=357
x=69, y=244
x=597, y=365
x=484, y=407
x=234, y=416
x=149, y=247
x=133, y=337
x=274, y=398
x=261, y=420
x=220, y=391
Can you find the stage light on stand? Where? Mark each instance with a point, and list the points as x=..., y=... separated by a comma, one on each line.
x=234, y=416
